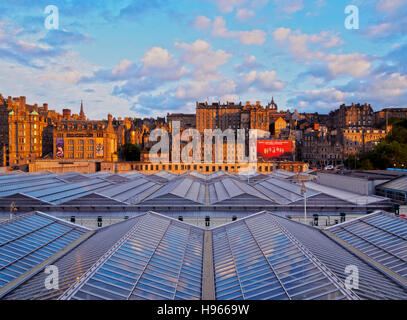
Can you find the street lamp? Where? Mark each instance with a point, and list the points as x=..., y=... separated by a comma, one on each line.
x=304, y=193
x=13, y=209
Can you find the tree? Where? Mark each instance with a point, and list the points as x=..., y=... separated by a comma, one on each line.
x=391, y=152
x=130, y=152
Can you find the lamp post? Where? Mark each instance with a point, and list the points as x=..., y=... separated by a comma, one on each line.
x=13, y=209
x=304, y=192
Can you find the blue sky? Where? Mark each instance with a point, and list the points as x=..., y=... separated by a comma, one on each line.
x=148, y=57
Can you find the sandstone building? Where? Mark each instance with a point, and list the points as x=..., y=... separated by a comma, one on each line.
x=21, y=131
x=234, y=116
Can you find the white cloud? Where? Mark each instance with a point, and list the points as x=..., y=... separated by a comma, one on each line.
x=157, y=57
x=281, y=34
x=323, y=99
x=264, y=81
x=229, y=5
x=202, y=23
x=249, y=63
x=355, y=64
x=201, y=90
x=67, y=75
x=122, y=67
x=289, y=6
x=299, y=44
x=205, y=60
x=244, y=14
x=389, y=5
x=253, y=37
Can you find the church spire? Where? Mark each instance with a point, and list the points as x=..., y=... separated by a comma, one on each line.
x=82, y=114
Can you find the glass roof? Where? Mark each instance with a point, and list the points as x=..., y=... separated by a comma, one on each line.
x=381, y=237
x=74, y=264
x=68, y=192
x=131, y=192
x=255, y=259
x=399, y=184
x=373, y=284
x=189, y=189
x=152, y=256
x=28, y=241
x=159, y=258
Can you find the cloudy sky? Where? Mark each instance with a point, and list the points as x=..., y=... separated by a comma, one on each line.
x=149, y=57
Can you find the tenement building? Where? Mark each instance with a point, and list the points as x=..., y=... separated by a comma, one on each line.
x=21, y=131
x=321, y=147
x=186, y=120
x=234, y=116
x=355, y=141
x=388, y=113
x=354, y=116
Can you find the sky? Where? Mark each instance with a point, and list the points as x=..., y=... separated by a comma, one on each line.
x=147, y=58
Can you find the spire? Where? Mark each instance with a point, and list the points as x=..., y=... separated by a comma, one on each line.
x=82, y=114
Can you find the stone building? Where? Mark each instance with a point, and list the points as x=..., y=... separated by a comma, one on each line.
x=186, y=120
x=85, y=140
x=234, y=116
x=321, y=147
x=355, y=141
x=277, y=126
x=388, y=113
x=21, y=131
x=354, y=116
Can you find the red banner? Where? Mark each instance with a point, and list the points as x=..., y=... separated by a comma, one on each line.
x=270, y=149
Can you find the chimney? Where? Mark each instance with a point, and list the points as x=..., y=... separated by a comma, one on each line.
x=22, y=102
x=66, y=113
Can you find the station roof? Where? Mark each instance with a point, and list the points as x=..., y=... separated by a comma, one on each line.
x=29, y=241
x=381, y=237
x=151, y=256
x=399, y=184
x=167, y=189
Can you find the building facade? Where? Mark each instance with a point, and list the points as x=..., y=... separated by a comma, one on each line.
x=355, y=141
x=234, y=116
x=85, y=140
x=186, y=120
x=320, y=148
x=388, y=113
x=21, y=131
x=354, y=116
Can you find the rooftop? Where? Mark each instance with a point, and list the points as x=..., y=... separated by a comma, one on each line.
x=134, y=190
x=151, y=256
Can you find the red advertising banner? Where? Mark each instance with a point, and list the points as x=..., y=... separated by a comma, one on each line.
x=270, y=149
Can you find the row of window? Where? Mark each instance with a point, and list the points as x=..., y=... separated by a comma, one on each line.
x=70, y=155
x=208, y=168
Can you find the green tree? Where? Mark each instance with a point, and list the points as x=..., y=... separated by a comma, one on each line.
x=391, y=152
x=130, y=152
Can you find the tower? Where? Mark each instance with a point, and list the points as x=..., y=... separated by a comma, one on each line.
x=82, y=114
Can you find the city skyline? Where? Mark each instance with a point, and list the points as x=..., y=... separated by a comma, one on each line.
x=142, y=59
